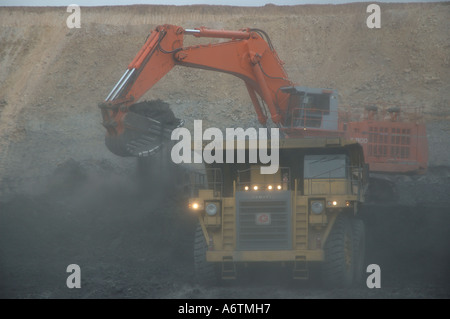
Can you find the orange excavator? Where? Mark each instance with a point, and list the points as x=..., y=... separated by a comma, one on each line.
x=139, y=129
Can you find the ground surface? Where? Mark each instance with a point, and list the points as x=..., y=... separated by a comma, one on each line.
x=65, y=199
x=134, y=245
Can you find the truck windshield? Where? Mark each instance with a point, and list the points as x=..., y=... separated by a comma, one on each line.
x=325, y=166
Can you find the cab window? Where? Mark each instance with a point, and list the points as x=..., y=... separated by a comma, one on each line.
x=325, y=166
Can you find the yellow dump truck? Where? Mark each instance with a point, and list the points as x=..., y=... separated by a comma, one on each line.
x=304, y=215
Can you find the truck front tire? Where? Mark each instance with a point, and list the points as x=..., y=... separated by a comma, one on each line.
x=205, y=272
x=338, y=267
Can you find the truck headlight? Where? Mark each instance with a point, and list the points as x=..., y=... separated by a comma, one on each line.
x=194, y=205
x=211, y=209
x=317, y=207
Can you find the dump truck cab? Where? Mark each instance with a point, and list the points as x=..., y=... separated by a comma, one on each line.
x=305, y=214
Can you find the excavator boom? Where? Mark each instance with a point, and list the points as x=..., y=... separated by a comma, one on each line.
x=246, y=55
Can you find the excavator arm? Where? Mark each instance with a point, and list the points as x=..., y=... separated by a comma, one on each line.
x=247, y=54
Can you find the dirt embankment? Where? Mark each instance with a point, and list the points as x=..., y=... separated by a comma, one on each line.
x=53, y=77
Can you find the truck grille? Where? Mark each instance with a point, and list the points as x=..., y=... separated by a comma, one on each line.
x=263, y=220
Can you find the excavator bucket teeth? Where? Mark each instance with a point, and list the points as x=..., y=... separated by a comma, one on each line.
x=144, y=135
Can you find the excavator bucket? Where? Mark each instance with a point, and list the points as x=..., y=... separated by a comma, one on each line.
x=147, y=126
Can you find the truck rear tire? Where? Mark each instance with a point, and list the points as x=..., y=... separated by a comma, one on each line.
x=205, y=272
x=338, y=267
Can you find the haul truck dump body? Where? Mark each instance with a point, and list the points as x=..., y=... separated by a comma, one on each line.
x=304, y=213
